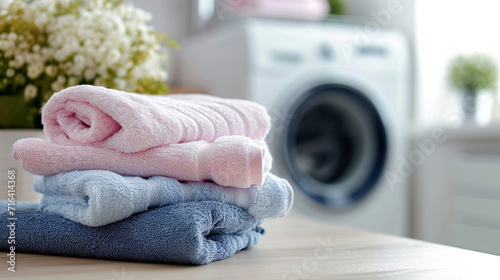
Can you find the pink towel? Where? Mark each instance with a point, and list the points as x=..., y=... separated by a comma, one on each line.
x=128, y=122
x=308, y=9
x=229, y=161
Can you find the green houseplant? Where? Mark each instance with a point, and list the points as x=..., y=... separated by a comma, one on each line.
x=470, y=74
x=47, y=45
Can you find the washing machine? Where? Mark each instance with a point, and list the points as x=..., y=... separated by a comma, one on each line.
x=337, y=99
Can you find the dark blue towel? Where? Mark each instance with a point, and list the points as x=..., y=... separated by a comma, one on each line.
x=185, y=233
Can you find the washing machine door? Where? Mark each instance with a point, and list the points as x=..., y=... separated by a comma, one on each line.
x=336, y=144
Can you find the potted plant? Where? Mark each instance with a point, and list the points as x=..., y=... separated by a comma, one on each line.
x=471, y=74
x=47, y=45
x=337, y=7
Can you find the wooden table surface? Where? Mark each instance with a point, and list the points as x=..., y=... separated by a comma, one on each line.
x=292, y=248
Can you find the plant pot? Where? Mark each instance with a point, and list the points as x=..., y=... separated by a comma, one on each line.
x=469, y=105
x=477, y=107
x=14, y=112
x=24, y=180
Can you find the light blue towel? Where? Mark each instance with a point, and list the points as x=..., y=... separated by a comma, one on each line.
x=98, y=197
x=185, y=233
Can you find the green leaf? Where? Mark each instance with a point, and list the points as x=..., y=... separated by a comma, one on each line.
x=473, y=72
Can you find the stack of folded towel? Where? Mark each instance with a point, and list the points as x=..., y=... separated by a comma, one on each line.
x=173, y=179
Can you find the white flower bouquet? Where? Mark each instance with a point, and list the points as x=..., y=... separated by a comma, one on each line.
x=47, y=45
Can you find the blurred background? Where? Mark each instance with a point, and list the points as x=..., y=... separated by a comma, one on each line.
x=385, y=113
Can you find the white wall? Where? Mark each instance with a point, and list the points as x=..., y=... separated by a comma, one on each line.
x=403, y=21
x=171, y=17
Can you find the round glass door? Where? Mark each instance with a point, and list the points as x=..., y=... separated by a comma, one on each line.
x=335, y=145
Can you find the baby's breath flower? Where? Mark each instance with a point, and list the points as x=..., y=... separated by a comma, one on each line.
x=12, y=36
x=120, y=83
x=89, y=74
x=114, y=55
x=121, y=72
x=19, y=59
x=41, y=19
x=34, y=70
x=55, y=86
x=129, y=64
x=61, y=79
x=55, y=43
x=9, y=53
x=23, y=46
x=30, y=92
x=10, y=72
x=47, y=53
x=79, y=60
x=32, y=58
x=60, y=55
x=4, y=45
x=51, y=70
x=5, y=4
x=88, y=43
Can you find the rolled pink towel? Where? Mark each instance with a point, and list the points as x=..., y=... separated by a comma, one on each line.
x=127, y=122
x=235, y=161
x=308, y=9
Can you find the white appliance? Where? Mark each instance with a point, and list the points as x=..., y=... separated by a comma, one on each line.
x=338, y=110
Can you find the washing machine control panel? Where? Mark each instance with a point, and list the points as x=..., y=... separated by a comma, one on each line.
x=278, y=46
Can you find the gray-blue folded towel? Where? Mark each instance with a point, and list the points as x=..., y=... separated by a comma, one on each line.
x=99, y=197
x=194, y=233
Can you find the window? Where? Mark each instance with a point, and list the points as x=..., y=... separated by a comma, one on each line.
x=444, y=29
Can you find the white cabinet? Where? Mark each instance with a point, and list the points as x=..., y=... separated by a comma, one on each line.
x=457, y=191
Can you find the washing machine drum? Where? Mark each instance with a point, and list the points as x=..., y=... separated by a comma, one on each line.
x=335, y=145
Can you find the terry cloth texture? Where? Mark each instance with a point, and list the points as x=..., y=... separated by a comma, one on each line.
x=128, y=122
x=235, y=161
x=194, y=233
x=98, y=197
